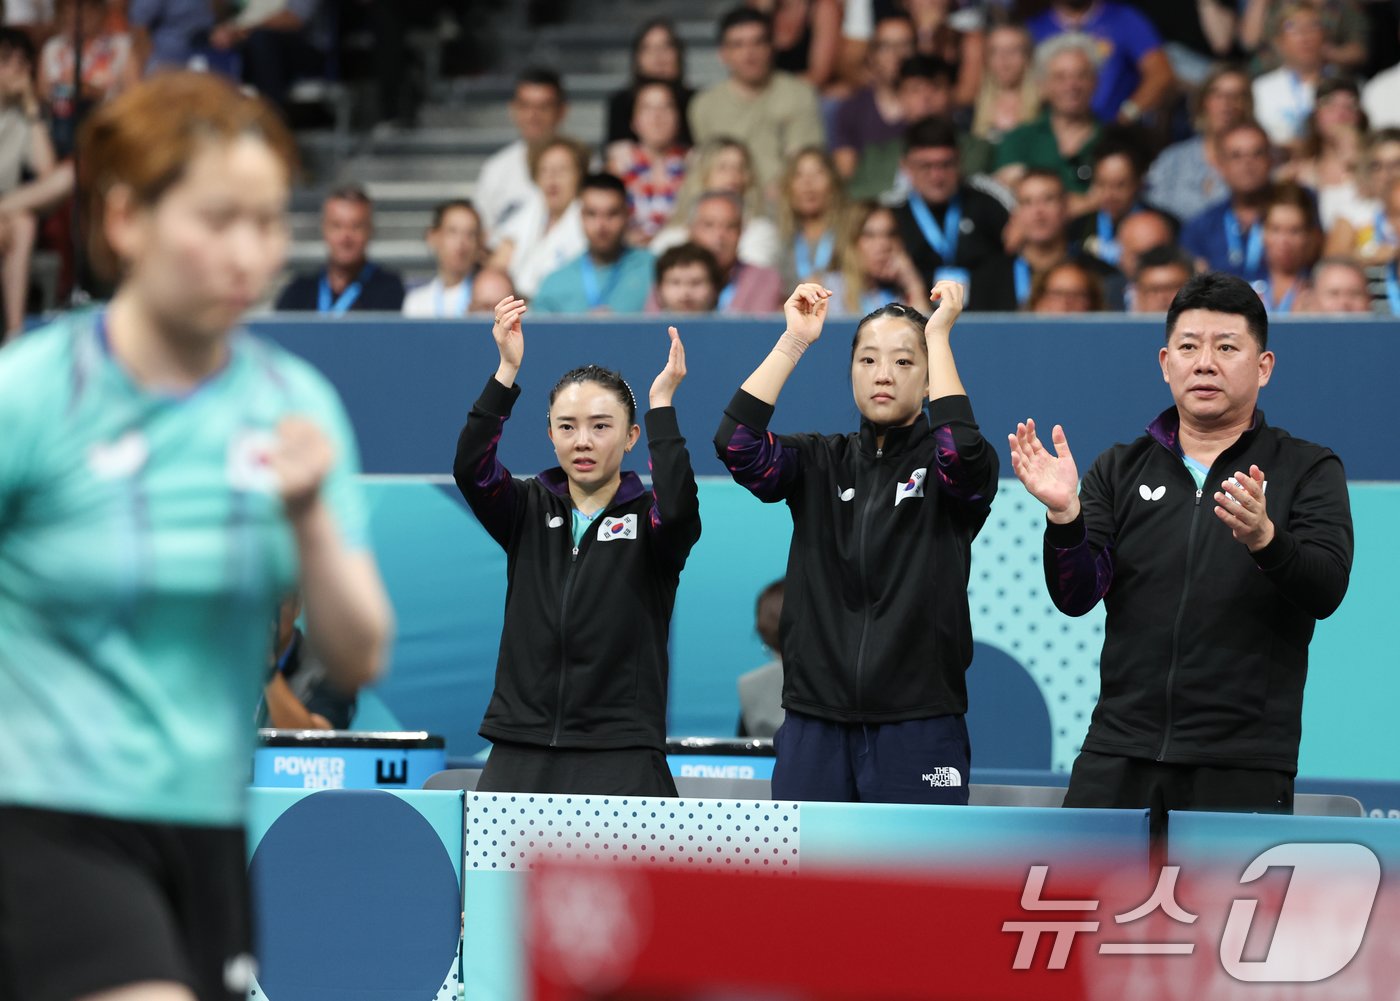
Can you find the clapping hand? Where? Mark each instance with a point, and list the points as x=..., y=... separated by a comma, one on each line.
x=1051, y=478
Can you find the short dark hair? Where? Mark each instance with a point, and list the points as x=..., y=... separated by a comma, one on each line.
x=1164, y=256
x=744, y=15
x=15, y=40
x=690, y=253
x=933, y=132
x=666, y=25
x=542, y=76
x=926, y=68
x=349, y=193
x=603, y=182
x=899, y=311
x=609, y=379
x=1222, y=293
x=1043, y=174
x=1246, y=125
x=441, y=209
x=1125, y=141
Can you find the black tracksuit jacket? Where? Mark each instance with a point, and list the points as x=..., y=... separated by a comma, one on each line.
x=583, y=660
x=1206, y=644
x=875, y=624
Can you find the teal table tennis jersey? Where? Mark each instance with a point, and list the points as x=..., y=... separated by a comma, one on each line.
x=143, y=552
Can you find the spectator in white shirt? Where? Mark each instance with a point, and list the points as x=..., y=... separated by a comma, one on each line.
x=455, y=238
x=1283, y=98
x=504, y=185
x=547, y=232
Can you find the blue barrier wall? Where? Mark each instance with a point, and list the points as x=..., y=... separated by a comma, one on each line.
x=408, y=386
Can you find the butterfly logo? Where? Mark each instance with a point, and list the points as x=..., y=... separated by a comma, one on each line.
x=1149, y=494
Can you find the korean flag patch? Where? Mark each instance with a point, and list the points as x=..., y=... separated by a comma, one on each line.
x=618, y=528
x=912, y=487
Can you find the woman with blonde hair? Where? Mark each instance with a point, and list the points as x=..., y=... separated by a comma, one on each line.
x=873, y=268
x=809, y=215
x=1329, y=156
x=723, y=164
x=1007, y=95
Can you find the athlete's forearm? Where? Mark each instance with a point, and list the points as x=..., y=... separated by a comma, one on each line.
x=347, y=610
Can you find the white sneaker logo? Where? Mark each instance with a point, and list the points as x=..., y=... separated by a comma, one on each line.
x=945, y=777
x=1149, y=494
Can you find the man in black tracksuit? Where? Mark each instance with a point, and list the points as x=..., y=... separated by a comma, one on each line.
x=1216, y=543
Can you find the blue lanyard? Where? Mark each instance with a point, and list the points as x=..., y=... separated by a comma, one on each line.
x=1301, y=106
x=944, y=241
x=1266, y=293
x=342, y=303
x=1383, y=232
x=726, y=294
x=1109, y=251
x=598, y=296
x=463, y=300
x=807, y=263
x=1021, y=271
x=1392, y=288
x=1239, y=254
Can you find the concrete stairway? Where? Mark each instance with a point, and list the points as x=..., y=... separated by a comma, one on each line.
x=407, y=172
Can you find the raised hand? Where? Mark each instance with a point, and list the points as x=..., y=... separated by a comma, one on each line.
x=301, y=459
x=1240, y=504
x=510, y=337
x=664, y=386
x=1051, y=479
x=805, y=311
x=947, y=296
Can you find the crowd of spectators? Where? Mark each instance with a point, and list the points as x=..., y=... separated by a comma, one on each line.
x=1052, y=155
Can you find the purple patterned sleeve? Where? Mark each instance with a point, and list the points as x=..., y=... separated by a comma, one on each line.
x=953, y=475
x=967, y=464
x=756, y=458
x=1077, y=577
x=674, y=519
x=484, y=482
x=760, y=463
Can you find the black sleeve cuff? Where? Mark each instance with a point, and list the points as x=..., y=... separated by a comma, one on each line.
x=950, y=410
x=1065, y=536
x=497, y=400
x=661, y=423
x=750, y=411
x=1278, y=552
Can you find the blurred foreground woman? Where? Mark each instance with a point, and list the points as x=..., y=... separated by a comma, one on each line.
x=165, y=479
